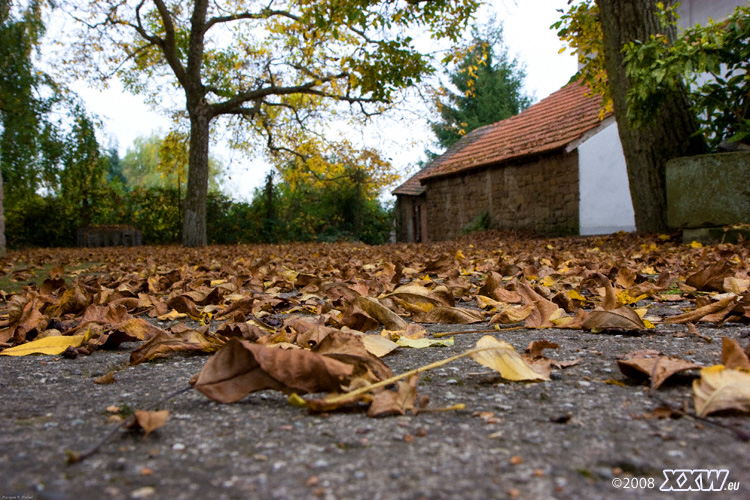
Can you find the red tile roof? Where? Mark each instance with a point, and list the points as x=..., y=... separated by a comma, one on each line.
x=413, y=187
x=549, y=125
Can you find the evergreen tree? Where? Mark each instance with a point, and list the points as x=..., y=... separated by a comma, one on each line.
x=489, y=88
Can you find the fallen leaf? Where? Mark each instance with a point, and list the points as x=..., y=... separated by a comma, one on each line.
x=423, y=343
x=511, y=315
x=48, y=345
x=452, y=315
x=701, y=312
x=732, y=355
x=719, y=389
x=149, y=421
x=710, y=278
x=172, y=315
x=396, y=402
x=735, y=285
x=378, y=345
x=622, y=318
x=107, y=378
x=657, y=367
x=544, y=310
x=241, y=367
x=503, y=358
x=380, y=313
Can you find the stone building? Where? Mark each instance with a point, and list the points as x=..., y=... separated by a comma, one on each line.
x=556, y=168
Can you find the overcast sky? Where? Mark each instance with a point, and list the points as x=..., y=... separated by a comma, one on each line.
x=527, y=35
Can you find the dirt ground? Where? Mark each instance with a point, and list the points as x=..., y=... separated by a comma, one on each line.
x=576, y=436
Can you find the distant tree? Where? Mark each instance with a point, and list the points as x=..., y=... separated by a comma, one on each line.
x=83, y=177
x=24, y=130
x=162, y=162
x=115, y=177
x=488, y=87
x=268, y=65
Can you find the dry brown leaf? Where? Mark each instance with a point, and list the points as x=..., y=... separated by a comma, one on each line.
x=710, y=278
x=544, y=310
x=164, y=344
x=535, y=348
x=721, y=389
x=511, y=315
x=241, y=367
x=452, y=315
x=149, y=421
x=701, y=312
x=736, y=286
x=658, y=368
x=622, y=318
x=396, y=402
x=378, y=311
x=732, y=355
x=107, y=378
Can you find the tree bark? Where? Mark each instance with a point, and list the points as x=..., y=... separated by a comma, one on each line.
x=646, y=150
x=194, y=223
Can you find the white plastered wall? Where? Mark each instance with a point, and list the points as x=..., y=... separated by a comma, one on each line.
x=605, y=205
x=694, y=12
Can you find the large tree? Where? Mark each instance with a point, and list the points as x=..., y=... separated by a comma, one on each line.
x=21, y=108
x=272, y=64
x=598, y=30
x=673, y=132
x=487, y=86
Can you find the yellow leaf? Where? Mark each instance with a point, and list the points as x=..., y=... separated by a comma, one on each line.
x=422, y=343
x=48, y=345
x=547, y=281
x=625, y=299
x=501, y=357
x=721, y=388
x=695, y=244
x=460, y=255
x=377, y=345
x=576, y=296
x=171, y=316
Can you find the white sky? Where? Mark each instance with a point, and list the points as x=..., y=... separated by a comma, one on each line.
x=527, y=35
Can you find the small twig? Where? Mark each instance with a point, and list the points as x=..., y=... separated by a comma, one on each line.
x=389, y=381
x=455, y=407
x=739, y=433
x=74, y=457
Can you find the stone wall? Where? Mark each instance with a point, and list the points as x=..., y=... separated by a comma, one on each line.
x=540, y=195
x=109, y=236
x=410, y=218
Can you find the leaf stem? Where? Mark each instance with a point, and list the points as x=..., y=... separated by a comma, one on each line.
x=74, y=457
x=396, y=378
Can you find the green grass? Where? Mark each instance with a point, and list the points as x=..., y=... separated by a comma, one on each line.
x=10, y=283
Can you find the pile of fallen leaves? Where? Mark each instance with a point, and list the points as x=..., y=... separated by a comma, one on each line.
x=319, y=318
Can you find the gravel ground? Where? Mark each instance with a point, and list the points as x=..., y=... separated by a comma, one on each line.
x=572, y=437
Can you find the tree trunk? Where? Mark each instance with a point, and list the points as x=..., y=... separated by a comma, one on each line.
x=2, y=219
x=194, y=223
x=646, y=150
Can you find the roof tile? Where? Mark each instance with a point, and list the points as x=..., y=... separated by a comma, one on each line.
x=550, y=124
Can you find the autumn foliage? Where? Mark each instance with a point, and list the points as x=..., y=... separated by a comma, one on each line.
x=321, y=318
